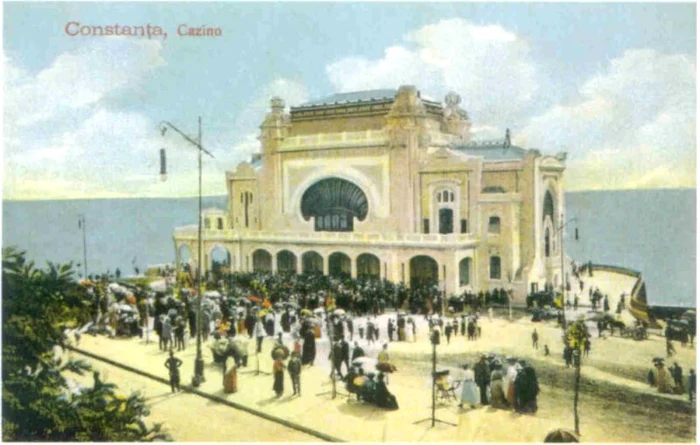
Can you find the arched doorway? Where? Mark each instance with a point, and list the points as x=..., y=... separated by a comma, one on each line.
x=312, y=262
x=262, y=261
x=446, y=221
x=368, y=266
x=220, y=261
x=424, y=271
x=286, y=262
x=339, y=265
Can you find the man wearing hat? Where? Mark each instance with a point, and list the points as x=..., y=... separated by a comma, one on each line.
x=482, y=376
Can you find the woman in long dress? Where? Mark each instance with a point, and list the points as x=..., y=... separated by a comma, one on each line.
x=509, y=381
x=278, y=372
x=498, y=396
x=526, y=390
x=309, y=349
x=663, y=379
x=470, y=393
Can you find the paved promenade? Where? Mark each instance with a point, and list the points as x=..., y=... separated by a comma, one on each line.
x=189, y=417
x=341, y=418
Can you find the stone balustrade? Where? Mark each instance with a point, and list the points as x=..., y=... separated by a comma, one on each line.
x=420, y=239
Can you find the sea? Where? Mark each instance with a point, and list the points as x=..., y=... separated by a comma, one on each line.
x=651, y=231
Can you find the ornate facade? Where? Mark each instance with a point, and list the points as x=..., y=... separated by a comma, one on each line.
x=388, y=184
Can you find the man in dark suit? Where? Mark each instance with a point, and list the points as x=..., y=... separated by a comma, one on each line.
x=482, y=376
x=345, y=347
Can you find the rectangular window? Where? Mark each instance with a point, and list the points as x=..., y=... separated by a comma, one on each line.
x=494, y=224
x=220, y=224
x=464, y=271
x=464, y=226
x=426, y=225
x=207, y=224
x=495, y=270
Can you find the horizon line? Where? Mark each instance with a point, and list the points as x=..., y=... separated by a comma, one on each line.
x=106, y=198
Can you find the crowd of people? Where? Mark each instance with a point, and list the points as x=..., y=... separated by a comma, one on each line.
x=239, y=309
x=670, y=380
x=489, y=383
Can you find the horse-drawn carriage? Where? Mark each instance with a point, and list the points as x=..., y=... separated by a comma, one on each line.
x=635, y=332
x=678, y=330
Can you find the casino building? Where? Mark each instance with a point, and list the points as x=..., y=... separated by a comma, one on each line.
x=388, y=184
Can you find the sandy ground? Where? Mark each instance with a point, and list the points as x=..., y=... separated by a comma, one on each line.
x=188, y=417
x=616, y=403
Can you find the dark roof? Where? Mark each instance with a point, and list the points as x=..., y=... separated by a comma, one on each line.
x=355, y=96
x=492, y=151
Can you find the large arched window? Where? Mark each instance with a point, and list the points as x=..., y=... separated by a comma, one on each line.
x=334, y=204
x=548, y=208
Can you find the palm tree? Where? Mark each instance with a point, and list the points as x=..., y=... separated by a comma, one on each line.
x=38, y=400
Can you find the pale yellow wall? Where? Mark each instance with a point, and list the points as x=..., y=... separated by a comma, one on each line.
x=238, y=208
x=400, y=172
x=505, y=179
x=334, y=125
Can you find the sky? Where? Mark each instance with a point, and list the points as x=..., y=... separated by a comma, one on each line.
x=613, y=85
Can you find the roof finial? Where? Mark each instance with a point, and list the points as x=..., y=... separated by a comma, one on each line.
x=506, y=142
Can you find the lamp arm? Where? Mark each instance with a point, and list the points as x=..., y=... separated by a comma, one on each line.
x=165, y=124
x=564, y=225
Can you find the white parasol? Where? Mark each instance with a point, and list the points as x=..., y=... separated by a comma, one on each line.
x=125, y=308
x=158, y=286
x=365, y=362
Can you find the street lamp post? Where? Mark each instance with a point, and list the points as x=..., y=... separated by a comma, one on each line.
x=563, y=224
x=510, y=295
x=81, y=224
x=199, y=362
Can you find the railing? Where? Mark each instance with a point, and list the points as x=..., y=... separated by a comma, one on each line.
x=320, y=237
x=617, y=269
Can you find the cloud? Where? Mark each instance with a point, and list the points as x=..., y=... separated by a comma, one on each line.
x=60, y=139
x=63, y=139
x=632, y=126
x=246, y=128
x=77, y=79
x=489, y=66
